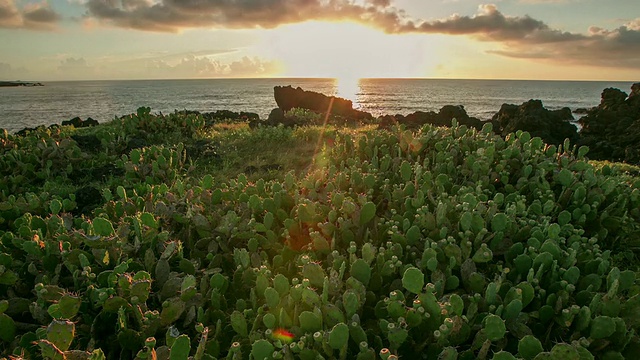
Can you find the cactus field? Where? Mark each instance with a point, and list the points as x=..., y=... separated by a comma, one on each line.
x=166, y=237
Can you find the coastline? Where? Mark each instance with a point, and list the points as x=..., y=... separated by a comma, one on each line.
x=19, y=83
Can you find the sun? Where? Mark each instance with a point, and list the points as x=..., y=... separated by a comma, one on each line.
x=349, y=51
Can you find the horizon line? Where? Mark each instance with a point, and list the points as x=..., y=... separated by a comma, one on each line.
x=322, y=78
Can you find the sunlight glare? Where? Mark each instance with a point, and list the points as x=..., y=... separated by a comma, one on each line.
x=348, y=87
x=346, y=50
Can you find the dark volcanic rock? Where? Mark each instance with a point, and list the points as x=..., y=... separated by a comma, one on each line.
x=90, y=122
x=19, y=83
x=79, y=123
x=75, y=122
x=552, y=126
x=442, y=118
x=612, y=129
x=27, y=130
x=276, y=116
x=288, y=98
x=226, y=115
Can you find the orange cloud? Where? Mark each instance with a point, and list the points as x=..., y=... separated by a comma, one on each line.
x=518, y=36
x=38, y=16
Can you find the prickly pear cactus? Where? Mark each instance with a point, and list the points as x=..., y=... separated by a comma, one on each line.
x=61, y=333
x=180, y=348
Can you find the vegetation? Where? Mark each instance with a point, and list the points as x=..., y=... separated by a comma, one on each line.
x=156, y=236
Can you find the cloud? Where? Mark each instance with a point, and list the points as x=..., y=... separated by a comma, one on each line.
x=8, y=72
x=193, y=66
x=600, y=47
x=164, y=66
x=34, y=16
x=517, y=36
x=73, y=64
x=527, y=38
x=174, y=15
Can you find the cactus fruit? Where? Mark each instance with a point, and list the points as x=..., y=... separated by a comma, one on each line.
x=494, y=327
x=61, y=333
x=413, y=280
x=529, y=347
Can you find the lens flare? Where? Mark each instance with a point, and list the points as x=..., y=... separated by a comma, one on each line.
x=283, y=335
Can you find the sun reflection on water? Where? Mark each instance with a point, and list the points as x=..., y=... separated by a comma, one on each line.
x=348, y=88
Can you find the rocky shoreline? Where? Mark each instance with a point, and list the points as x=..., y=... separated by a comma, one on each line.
x=611, y=130
x=19, y=83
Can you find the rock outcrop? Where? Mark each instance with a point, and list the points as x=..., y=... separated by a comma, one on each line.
x=288, y=98
x=612, y=129
x=79, y=123
x=226, y=115
x=552, y=126
x=19, y=83
x=442, y=118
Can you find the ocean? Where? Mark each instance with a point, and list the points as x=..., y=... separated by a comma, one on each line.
x=104, y=100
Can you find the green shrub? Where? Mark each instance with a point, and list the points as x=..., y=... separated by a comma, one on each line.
x=449, y=243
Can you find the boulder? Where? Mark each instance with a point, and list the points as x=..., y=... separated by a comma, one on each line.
x=288, y=98
x=634, y=97
x=75, y=122
x=552, y=126
x=90, y=122
x=442, y=118
x=612, y=129
x=276, y=116
x=612, y=98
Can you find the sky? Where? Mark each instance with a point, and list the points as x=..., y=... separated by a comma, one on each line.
x=46, y=40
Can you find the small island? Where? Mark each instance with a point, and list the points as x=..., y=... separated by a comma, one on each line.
x=19, y=83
